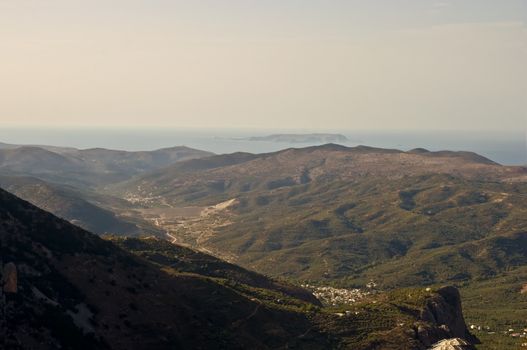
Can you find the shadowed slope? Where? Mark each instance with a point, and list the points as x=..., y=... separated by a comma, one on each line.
x=77, y=291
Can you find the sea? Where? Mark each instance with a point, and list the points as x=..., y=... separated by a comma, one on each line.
x=508, y=148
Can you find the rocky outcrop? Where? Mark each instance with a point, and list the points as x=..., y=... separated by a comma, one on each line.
x=453, y=344
x=442, y=318
x=9, y=278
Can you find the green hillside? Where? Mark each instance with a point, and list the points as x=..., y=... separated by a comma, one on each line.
x=340, y=216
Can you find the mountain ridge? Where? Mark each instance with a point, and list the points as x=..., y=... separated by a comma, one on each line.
x=89, y=167
x=86, y=209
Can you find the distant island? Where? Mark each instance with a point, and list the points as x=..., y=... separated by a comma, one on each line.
x=301, y=138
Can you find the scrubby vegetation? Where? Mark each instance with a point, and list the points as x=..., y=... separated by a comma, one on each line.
x=92, y=294
x=356, y=215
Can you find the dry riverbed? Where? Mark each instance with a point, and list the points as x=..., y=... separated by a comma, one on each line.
x=191, y=226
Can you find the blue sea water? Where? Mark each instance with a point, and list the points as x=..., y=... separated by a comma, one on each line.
x=503, y=147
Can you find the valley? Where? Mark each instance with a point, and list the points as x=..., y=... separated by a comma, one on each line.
x=63, y=287
x=330, y=227
x=190, y=226
x=329, y=217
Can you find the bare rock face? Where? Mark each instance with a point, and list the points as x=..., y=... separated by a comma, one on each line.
x=10, y=278
x=428, y=334
x=443, y=317
x=447, y=311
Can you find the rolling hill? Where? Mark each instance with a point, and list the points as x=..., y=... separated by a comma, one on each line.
x=198, y=181
x=350, y=214
x=88, y=167
x=65, y=181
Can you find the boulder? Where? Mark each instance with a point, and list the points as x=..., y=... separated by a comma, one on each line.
x=453, y=344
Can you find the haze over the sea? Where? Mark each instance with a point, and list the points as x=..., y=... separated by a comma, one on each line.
x=150, y=74
x=502, y=147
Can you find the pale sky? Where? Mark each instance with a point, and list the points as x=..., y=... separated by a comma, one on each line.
x=326, y=64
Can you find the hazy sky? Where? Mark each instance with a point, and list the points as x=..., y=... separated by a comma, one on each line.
x=370, y=64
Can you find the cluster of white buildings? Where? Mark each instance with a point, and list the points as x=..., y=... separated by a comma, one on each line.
x=139, y=199
x=510, y=332
x=337, y=296
x=516, y=334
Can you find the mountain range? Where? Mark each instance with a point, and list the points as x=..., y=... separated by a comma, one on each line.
x=63, y=287
x=346, y=216
x=354, y=214
x=88, y=167
x=326, y=215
